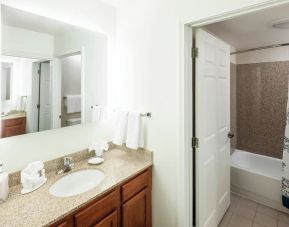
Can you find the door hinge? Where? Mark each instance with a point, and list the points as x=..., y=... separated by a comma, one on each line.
x=195, y=142
x=195, y=52
x=38, y=71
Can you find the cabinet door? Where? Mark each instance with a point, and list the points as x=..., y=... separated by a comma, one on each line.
x=109, y=221
x=137, y=210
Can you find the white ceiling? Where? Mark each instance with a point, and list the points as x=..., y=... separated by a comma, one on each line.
x=22, y=19
x=254, y=29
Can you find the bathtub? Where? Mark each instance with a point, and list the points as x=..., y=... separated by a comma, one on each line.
x=257, y=177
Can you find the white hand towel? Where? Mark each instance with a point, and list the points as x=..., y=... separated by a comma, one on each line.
x=96, y=113
x=120, y=128
x=134, y=131
x=73, y=104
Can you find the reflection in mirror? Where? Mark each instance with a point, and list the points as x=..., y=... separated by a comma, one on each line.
x=44, y=81
x=6, y=78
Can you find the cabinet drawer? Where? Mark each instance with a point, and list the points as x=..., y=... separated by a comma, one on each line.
x=14, y=122
x=95, y=212
x=134, y=186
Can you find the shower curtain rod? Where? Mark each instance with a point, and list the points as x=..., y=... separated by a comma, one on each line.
x=261, y=48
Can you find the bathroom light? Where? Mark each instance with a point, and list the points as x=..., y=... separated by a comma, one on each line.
x=283, y=24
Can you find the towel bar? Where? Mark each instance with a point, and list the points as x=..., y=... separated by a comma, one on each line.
x=148, y=114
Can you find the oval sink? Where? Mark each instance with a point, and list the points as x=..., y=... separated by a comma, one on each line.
x=76, y=183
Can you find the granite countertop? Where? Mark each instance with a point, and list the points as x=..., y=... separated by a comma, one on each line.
x=13, y=116
x=39, y=208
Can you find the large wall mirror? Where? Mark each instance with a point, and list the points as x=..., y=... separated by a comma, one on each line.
x=52, y=73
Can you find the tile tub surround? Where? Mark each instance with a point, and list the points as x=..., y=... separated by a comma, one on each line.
x=262, y=91
x=39, y=208
x=243, y=212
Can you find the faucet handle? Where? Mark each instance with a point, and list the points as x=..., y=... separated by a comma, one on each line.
x=68, y=160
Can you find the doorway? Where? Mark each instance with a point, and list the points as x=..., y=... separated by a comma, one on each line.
x=197, y=145
x=41, y=96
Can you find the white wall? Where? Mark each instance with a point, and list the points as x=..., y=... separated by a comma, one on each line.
x=94, y=57
x=150, y=48
x=26, y=43
x=21, y=81
x=266, y=55
x=71, y=75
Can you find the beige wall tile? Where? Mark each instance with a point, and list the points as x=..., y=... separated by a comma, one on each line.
x=262, y=91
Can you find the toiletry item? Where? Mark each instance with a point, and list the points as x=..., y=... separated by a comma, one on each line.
x=4, y=187
x=95, y=161
x=98, y=147
x=33, y=177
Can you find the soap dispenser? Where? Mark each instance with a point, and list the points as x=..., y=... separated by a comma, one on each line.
x=4, y=187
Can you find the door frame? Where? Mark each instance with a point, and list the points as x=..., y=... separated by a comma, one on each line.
x=186, y=110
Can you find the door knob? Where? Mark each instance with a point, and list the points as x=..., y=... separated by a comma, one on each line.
x=230, y=135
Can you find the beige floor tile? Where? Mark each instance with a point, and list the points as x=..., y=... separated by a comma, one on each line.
x=267, y=211
x=265, y=220
x=245, y=211
x=234, y=197
x=283, y=217
x=225, y=220
x=247, y=203
x=240, y=221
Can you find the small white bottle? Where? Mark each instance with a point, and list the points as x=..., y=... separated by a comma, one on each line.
x=4, y=187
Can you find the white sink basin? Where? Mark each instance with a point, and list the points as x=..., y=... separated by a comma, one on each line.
x=76, y=183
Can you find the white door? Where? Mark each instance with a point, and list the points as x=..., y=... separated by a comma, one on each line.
x=56, y=92
x=45, y=98
x=34, y=96
x=212, y=126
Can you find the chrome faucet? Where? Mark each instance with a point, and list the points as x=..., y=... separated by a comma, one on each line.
x=68, y=165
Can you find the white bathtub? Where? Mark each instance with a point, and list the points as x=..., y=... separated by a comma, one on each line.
x=257, y=177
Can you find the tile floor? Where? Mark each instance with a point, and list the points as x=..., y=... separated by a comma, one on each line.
x=246, y=213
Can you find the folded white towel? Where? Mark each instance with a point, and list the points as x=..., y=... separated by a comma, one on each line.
x=33, y=168
x=120, y=128
x=30, y=175
x=73, y=103
x=134, y=136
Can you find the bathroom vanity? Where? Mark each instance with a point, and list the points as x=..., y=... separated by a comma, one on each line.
x=13, y=125
x=122, y=198
x=127, y=205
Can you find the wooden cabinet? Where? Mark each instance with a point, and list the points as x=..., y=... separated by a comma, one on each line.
x=137, y=210
x=13, y=127
x=127, y=205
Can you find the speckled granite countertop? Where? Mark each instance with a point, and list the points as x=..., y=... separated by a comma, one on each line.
x=39, y=208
